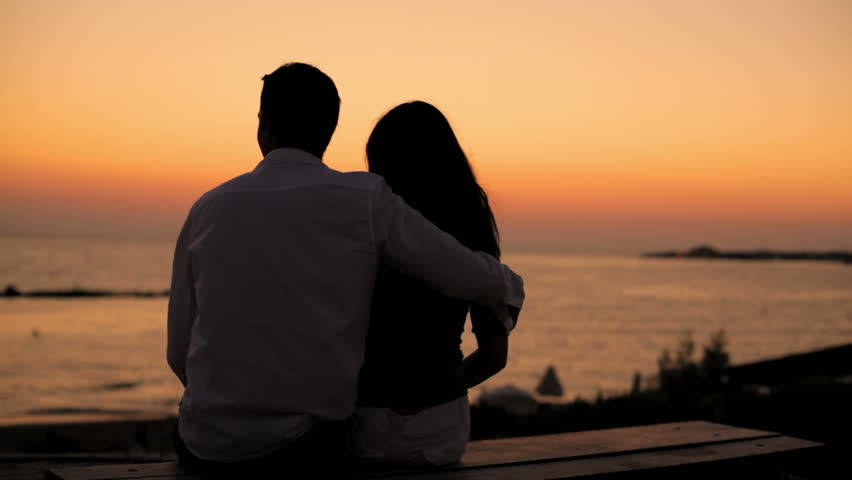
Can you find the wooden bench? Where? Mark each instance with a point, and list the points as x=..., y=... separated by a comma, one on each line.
x=648, y=451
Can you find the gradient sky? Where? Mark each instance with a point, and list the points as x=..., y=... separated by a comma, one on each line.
x=594, y=125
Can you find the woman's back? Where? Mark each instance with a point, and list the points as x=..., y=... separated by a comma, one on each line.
x=413, y=356
x=413, y=383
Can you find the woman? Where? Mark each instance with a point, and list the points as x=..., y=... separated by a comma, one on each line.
x=413, y=406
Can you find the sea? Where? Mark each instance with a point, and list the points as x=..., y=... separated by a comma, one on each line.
x=597, y=319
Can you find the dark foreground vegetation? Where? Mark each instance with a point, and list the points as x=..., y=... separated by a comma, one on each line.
x=813, y=403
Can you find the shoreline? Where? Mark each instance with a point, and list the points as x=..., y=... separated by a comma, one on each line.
x=143, y=432
x=43, y=419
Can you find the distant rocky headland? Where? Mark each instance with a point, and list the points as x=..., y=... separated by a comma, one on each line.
x=12, y=291
x=705, y=251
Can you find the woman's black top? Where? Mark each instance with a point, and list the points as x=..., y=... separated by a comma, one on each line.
x=413, y=354
x=413, y=357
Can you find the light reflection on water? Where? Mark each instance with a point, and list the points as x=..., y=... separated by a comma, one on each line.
x=597, y=319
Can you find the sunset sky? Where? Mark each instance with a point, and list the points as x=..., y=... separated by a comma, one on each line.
x=595, y=126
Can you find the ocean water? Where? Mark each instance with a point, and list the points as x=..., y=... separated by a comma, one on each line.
x=597, y=319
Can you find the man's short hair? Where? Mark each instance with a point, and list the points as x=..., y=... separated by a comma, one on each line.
x=301, y=105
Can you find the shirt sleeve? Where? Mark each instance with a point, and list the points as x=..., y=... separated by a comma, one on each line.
x=411, y=244
x=482, y=322
x=182, y=305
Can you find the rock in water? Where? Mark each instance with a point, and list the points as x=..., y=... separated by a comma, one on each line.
x=12, y=291
x=549, y=385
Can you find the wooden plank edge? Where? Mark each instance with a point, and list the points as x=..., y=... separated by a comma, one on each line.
x=122, y=471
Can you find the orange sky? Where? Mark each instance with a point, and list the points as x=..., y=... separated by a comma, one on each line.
x=610, y=125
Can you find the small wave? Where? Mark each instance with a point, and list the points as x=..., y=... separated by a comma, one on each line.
x=115, y=386
x=667, y=292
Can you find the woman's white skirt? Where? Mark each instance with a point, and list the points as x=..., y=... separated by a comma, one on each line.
x=432, y=437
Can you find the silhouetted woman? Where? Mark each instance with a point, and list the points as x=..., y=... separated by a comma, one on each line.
x=413, y=406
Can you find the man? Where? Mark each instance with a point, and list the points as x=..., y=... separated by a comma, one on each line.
x=272, y=281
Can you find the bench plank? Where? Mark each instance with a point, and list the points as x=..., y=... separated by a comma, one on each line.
x=510, y=454
x=598, y=442
x=631, y=462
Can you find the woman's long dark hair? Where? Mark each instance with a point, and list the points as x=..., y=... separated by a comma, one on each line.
x=414, y=148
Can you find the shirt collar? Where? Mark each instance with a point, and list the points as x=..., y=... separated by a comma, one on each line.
x=289, y=155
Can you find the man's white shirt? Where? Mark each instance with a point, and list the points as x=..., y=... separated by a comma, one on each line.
x=270, y=300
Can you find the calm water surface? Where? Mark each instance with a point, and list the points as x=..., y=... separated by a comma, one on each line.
x=596, y=319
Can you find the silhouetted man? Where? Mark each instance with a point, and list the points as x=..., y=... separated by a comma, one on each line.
x=272, y=283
